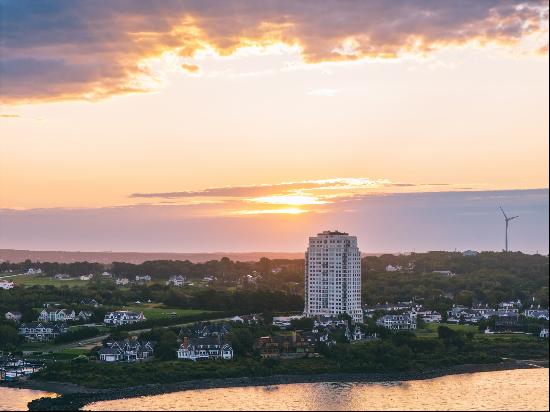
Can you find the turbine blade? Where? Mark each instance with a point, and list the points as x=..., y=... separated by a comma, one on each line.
x=502, y=210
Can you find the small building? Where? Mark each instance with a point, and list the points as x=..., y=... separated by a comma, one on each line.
x=284, y=322
x=470, y=253
x=86, y=277
x=536, y=313
x=397, y=322
x=299, y=344
x=85, y=315
x=393, y=268
x=445, y=272
x=143, y=279
x=177, y=280
x=89, y=302
x=107, y=274
x=62, y=276
x=122, y=281
x=6, y=284
x=205, y=347
x=56, y=315
x=123, y=317
x=544, y=333
x=13, y=316
x=42, y=331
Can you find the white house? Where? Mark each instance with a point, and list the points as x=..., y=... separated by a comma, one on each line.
x=285, y=321
x=6, y=284
x=544, y=333
x=397, y=322
x=56, y=315
x=107, y=274
x=13, y=315
x=85, y=315
x=445, y=272
x=122, y=281
x=86, y=277
x=144, y=278
x=33, y=271
x=392, y=268
x=123, y=317
x=536, y=313
x=210, y=347
x=177, y=280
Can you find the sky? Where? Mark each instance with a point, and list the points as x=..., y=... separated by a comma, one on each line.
x=196, y=126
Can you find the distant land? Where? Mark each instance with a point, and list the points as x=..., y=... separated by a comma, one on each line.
x=15, y=255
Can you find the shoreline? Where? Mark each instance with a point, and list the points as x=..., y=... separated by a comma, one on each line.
x=75, y=397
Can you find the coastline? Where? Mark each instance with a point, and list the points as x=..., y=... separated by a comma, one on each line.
x=75, y=397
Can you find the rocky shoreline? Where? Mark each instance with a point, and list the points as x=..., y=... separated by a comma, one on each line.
x=74, y=397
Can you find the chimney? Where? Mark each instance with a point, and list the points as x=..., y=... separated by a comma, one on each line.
x=185, y=342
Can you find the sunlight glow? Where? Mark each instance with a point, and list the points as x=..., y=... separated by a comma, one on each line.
x=297, y=200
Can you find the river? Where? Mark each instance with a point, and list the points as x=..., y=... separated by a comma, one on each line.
x=520, y=389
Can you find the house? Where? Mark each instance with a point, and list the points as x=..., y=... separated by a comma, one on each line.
x=211, y=329
x=252, y=319
x=128, y=350
x=13, y=316
x=536, y=313
x=297, y=345
x=143, y=279
x=62, y=276
x=509, y=322
x=85, y=315
x=397, y=322
x=6, y=284
x=205, y=347
x=177, y=280
x=428, y=316
x=544, y=333
x=42, y=331
x=122, y=281
x=89, y=302
x=123, y=317
x=328, y=321
x=86, y=277
x=392, y=268
x=284, y=322
x=510, y=306
x=444, y=272
x=468, y=316
x=470, y=253
x=484, y=311
x=33, y=271
x=107, y=274
x=56, y=315
x=386, y=307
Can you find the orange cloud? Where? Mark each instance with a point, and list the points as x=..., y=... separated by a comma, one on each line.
x=82, y=50
x=191, y=68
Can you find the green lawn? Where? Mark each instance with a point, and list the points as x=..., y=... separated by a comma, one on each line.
x=46, y=280
x=430, y=329
x=155, y=311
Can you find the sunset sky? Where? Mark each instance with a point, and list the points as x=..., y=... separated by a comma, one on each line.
x=246, y=126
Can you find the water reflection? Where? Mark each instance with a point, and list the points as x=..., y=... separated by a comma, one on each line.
x=503, y=390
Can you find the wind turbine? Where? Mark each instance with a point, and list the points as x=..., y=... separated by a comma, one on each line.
x=507, y=219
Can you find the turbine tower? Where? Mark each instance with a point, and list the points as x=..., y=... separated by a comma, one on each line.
x=506, y=219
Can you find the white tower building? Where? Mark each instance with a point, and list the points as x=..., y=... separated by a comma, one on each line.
x=333, y=276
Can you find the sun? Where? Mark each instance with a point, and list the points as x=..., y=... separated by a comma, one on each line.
x=290, y=200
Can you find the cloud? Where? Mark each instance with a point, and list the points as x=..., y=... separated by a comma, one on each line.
x=54, y=50
x=323, y=92
x=191, y=68
x=9, y=116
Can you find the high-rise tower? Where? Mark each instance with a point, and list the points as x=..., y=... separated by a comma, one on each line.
x=333, y=276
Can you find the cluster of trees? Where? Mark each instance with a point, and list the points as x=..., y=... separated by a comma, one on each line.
x=9, y=336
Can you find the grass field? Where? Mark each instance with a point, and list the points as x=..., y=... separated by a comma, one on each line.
x=155, y=311
x=46, y=280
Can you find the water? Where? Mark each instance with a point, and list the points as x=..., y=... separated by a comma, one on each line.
x=12, y=399
x=521, y=389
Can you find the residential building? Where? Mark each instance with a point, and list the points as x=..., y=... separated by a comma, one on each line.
x=333, y=276
x=544, y=333
x=509, y=322
x=444, y=272
x=86, y=277
x=33, y=271
x=284, y=322
x=143, y=279
x=122, y=281
x=107, y=274
x=393, y=268
x=428, y=316
x=56, y=315
x=13, y=316
x=205, y=347
x=397, y=322
x=85, y=315
x=6, y=284
x=123, y=317
x=42, y=331
x=177, y=280
x=89, y=302
x=128, y=350
x=470, y=253
x=297, y=345
x=536, y=313
x=62, y=276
